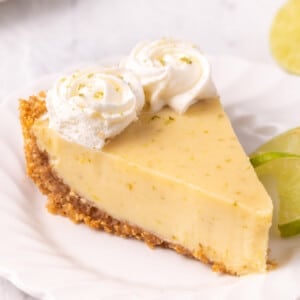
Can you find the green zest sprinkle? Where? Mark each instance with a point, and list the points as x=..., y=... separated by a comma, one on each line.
x=90, y=75
x=80, y=86
x=162, y=61
x=155, y=117
x=98, y=95
x=169, y=120
x=186, y=60
x=81, y=95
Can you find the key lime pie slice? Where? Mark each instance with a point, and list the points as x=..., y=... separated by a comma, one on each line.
x=145, y=150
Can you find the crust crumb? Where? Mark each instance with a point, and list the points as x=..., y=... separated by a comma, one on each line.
x=271, y=265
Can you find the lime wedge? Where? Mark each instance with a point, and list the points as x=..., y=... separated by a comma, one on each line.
x=279, y=159
x=285, y=172
x=288, y=142
x=285, y=37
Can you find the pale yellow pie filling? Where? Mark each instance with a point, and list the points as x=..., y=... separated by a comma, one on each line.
x=184, y=178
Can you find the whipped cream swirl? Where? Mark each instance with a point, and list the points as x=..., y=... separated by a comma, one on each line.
x=172, y=72
x=91, y=106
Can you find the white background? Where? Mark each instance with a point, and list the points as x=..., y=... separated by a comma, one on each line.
x=38, y=37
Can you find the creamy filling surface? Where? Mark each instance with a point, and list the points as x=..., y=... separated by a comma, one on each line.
x=191, y=194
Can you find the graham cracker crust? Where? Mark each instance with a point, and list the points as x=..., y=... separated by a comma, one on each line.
x=63, y=201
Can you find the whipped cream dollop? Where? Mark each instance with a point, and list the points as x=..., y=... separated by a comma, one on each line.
x=172, y=72
x=91, y=106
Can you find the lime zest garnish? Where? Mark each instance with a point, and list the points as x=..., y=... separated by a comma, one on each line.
x=98, y=95
x=81, y=86
x=162, y=61
x=155, y=117
x=169, y=120
x=186, y=60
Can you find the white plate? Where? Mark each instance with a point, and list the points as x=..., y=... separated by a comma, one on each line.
x=49, y=257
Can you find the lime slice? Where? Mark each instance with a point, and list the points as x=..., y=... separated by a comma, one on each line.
x=286, y=174
x=279, y=159
x=288, y=142
x=285, y=37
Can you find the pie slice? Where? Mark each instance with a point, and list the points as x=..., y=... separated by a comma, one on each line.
x=176, y=181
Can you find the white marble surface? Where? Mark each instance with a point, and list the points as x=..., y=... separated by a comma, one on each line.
x=39, y=37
